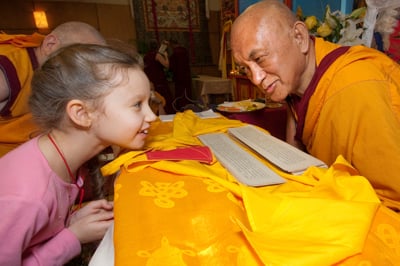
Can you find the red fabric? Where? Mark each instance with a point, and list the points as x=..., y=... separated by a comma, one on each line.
x=198, y=153
x=394, y=48
x=271, y=119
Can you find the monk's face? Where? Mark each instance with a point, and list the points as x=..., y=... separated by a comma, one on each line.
x=268, y=51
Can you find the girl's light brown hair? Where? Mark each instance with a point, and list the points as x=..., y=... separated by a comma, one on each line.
x=80, y=71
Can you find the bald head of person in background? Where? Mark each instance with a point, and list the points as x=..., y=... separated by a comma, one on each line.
x=17, y=65
x=66, y=34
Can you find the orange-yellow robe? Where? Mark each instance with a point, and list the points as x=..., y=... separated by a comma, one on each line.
x=17, y=61
x=355, y=112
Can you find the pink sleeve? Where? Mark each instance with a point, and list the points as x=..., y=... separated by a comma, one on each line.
x=56, y=251
x=24, y=221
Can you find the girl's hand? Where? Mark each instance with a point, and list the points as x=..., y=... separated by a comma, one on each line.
x=91, y=222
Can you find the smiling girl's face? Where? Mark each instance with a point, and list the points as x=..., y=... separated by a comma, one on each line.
x=125, y=116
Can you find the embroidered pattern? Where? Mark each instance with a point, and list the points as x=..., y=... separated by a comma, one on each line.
x=213, y=186
x=390, y=236
x=163, y=192
x=166, y=255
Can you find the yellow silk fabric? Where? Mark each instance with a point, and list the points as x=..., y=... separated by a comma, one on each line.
x=18, y=127
x=189, y=213
x=22, y=40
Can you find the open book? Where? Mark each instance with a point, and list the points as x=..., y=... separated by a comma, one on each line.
x=244, y=166
x=278, y=152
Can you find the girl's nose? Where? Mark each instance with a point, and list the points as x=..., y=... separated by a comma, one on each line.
x=150, y=116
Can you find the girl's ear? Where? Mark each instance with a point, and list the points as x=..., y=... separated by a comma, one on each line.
x=78, y=112
x=301, y=36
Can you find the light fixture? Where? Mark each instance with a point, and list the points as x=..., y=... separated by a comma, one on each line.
x=40, y=19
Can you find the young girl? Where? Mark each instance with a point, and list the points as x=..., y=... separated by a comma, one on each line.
x=85, y=98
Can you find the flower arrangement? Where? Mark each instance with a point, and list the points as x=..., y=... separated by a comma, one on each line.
x=386, y=22
x=336, y=26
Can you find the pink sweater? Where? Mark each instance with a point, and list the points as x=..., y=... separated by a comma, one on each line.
x=34, y=207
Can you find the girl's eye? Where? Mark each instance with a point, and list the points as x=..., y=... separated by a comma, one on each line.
x=138, y=105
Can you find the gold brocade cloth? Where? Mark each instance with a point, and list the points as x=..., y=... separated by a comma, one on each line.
x=190, y=213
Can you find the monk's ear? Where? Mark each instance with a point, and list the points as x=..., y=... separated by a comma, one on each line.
x=301, y=36
x=50, y=44
x=78, y=112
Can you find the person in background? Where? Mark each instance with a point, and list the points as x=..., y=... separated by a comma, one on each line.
x=19, y=56
x=85, y=98
x=157, y=101
x=179, y=65
x=343, y=100
x=156, y=62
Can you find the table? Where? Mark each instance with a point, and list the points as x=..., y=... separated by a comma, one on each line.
x=205, y=86
x=271, y=119
x=184, y=212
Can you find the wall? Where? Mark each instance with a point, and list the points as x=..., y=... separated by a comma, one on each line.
x=113, y=18
x=114, y=21
x=160, y=22
x=317, y=8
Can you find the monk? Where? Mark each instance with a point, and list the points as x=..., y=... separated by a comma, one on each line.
x=343, y=100
x=20, y=55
